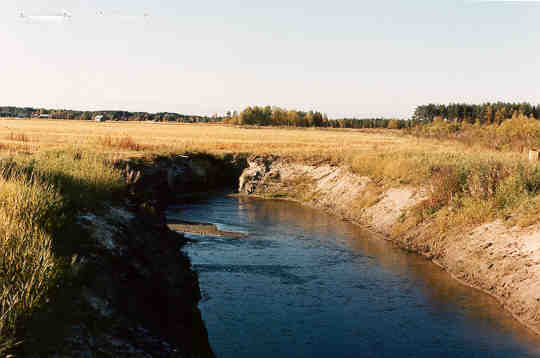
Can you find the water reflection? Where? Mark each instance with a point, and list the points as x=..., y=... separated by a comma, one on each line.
x=306, y=284
x=435, y=283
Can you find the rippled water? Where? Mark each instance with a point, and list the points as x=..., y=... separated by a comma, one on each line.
x=304, y=284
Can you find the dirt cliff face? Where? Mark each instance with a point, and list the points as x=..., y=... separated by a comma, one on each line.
x=503, y=262
x=141, y=279
x=131, y=291
x=164, y=180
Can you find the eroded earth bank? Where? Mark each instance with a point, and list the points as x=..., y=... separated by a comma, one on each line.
x=131, y=292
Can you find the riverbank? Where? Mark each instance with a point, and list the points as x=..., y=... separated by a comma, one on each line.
x=499, y=258
x=95, y=270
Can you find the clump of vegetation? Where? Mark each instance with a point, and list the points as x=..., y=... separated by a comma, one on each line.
x=122, y=143
x=461, y=189
x=486, y=113
x=39, y=197
x=299, y=188
x=514, y=134
x=488, y=178
x=27, y=263
x=18, y=137
x=275, y=116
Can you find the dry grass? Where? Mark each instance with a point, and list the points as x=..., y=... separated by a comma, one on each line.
x=26, y=259
x=309, y=144
x=517, y=133
x=370, y=196
x=125, y=143
x=17, y=137
x=40, y=195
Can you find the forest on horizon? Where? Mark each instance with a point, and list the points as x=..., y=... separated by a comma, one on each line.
x=485, y=113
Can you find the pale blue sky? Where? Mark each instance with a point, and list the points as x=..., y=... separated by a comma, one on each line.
x=346, y=58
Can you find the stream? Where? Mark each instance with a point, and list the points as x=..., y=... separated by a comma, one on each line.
x=305, y=284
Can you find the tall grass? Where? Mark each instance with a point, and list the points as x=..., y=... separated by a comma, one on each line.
x=39, y=197
x=18, y=137
x=488, y=178
x=461, y=188
x=27, y=263
x=124, y=143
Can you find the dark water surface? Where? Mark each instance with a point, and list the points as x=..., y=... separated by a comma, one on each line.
x=304, y=284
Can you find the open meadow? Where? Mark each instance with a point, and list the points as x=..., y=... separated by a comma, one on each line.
x=136, y=138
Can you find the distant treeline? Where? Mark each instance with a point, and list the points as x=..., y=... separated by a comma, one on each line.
x=261, y=116
x=27, y=112
x=485, y=113
x=275, y=116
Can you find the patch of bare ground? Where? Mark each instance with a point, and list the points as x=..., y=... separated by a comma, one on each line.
x=392, y=205
x=502, y=261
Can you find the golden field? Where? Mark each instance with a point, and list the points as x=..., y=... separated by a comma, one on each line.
x=31, y=135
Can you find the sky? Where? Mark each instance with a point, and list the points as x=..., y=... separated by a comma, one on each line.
x=347, y=58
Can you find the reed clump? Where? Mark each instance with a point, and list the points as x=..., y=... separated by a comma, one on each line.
x=126, y=143
x=18, y=137
x=27, y=263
